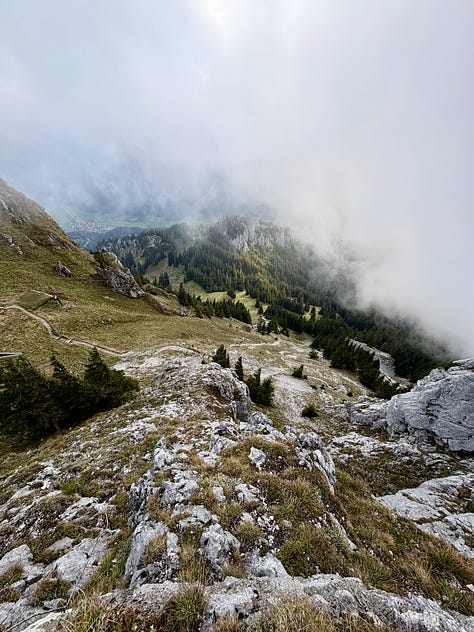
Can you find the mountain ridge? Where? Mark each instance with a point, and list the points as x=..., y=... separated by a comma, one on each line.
x=192, y=498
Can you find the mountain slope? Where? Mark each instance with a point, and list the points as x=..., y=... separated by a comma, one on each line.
x=41, y=311
x=31, y=243
x=191, y=483
x=191, y=508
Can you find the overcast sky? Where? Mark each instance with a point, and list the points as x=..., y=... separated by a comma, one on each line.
x=351, y=119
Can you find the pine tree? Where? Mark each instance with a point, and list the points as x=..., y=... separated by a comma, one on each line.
x=221, y=357
x=27, y=409
x=298, y=372
x=239, y=369
x=69, y=395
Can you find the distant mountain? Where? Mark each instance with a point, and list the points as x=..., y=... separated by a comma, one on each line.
x=89, y=236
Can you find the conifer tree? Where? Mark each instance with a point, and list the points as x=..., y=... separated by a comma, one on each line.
x=68, y=394
x=239, y=369
x=27, y=409
x=221, y=357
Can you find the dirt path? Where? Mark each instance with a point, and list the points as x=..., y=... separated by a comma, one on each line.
x=70, y=341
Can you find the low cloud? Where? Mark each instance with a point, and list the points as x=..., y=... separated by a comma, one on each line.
x=352, y=122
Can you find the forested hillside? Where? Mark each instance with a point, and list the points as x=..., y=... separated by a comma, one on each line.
x=292, y=287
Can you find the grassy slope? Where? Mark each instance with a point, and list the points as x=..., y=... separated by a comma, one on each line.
x=90, y=312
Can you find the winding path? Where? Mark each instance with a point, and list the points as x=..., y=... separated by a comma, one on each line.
x=70, y=341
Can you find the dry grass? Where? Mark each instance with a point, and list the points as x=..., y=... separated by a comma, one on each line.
x=49, y=589
x=297, y=615
x=193, y=567
x=181, y=613
x=154, y=551
x=111, y=572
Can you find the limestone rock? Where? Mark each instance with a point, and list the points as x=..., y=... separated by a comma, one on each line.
x=312, y=453
x=257, y=458
x=142, y=536
x=266, y=566
x=118, y=278
x=228, y=388
x=178, y=491
x=61, y=269
x=22, y=555
x=441, y=407
x=438, y=506
x=15, y=615
x=79, y=564
x=48, y=623
x=439, y=410
x=217, y=546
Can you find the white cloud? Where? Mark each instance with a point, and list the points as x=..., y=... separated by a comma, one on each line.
x=352, y=120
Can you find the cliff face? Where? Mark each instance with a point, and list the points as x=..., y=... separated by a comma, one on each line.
x=438, y=411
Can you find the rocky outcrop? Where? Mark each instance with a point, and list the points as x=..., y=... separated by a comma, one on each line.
x=443, y=507
x=438, y=411
x=206, y=502
x=213, y=389
x=61, y=269
x=9, y=239
x=116, y=277
x=331, y=594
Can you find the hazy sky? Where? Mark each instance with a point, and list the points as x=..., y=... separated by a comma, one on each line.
x=352, y=119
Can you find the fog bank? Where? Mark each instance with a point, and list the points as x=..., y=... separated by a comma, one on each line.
x=349, y=121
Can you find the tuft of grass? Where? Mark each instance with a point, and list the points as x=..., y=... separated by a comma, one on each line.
x=248, y=533
x=299, y=501
x=82, y=486
x=7, y=592
x=228, y=624
x=453, y=598
x=193, y=567
x=447, y=563
x=230, y=515
x=298, y=615
x=48, y=589
x=183, y=612
x=11, y=575
x=9, y=595
x=155, y=549
x=375, y=573
x=310, y=550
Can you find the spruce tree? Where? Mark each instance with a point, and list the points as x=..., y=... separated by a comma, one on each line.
x=27, y=409
x=69, y=395
x=239, y=369
x=221, y=357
